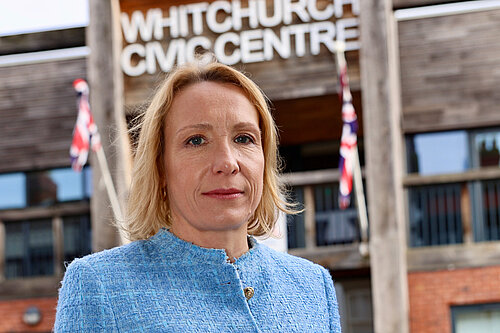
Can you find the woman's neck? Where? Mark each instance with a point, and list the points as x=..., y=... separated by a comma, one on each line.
x=234, y=242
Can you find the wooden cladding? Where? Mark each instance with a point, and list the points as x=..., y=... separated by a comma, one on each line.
x=42, y=41
x=38, y=109
x=450, y=71
x=313, y=119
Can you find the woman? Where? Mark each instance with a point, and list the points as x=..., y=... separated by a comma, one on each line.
x=205, y=178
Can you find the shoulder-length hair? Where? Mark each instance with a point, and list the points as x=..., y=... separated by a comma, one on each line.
x=148, y=206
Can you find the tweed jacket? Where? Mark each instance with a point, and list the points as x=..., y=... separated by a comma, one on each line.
x=164, y=284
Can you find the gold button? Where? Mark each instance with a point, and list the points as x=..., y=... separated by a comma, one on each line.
x=248, y=292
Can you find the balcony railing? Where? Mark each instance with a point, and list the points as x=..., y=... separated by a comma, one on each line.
x=322, y=223
x=446, y=213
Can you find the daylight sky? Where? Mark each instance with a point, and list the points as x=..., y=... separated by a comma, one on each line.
x=22, y=16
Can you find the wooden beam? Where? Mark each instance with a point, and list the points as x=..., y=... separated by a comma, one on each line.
x=46, y=286
x=335, y=257
x=384, y=166
x=102, y=81
x=471, y=175
x=453, y=256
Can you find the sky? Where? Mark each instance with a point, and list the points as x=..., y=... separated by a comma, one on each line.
x=23, y=16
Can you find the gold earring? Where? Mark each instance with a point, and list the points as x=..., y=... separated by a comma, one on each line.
x=164, y=194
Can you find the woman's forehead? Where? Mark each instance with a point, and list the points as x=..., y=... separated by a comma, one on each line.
x=209, y=102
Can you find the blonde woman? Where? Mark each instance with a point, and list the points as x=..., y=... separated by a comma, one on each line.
x=205, y=181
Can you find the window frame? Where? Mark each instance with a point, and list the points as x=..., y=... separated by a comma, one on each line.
x=471, y=178
x=457, y=309
x=84, y=174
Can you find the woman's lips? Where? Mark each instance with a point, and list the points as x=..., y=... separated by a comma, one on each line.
x=222, y=193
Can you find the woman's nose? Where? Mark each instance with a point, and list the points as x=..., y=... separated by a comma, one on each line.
x=224, y=160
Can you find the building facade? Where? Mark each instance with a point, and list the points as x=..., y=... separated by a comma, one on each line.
x=423, y=75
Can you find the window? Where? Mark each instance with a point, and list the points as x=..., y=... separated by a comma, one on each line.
x=32, y=235
x=12, y=187
x=29, y=245
x=29, y=248
x=480, y=318
x=44, y=188
x=435, y=153
x=449, y=160
x=77, y=236
x=333, y=226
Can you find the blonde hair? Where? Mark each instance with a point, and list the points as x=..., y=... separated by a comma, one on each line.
x=148, y=207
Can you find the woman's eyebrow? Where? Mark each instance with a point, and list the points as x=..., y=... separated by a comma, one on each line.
x=201, y=126
x=245, y=125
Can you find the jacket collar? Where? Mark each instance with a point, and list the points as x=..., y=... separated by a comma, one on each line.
x=169, y=245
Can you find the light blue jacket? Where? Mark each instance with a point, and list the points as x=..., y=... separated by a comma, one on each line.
x=165, y=284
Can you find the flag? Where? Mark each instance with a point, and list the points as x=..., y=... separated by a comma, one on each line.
x=85, y=133
x=349, y=138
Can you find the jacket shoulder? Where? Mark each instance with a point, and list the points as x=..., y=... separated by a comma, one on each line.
x=128, y=253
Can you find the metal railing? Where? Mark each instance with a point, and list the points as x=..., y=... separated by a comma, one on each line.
x=454, y=213
x=322, y=223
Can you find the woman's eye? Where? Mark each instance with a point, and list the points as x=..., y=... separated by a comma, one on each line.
x=244, y=139
x=196, y=141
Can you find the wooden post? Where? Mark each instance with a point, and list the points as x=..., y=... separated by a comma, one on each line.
x=384, y=166
x=309, y=217
x=105, y=88
x=57, y=235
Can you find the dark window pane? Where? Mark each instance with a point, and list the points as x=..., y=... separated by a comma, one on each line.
x=486, y=148
x=296, y=231
x=315, y=156
x=487, y=226
x=40, y=248
x=77, y=236
x=12, y=190
x=42, y=190
x=435, y=215
x=435, y=153
x=87, y=173
x=29, y=248
x=333, y=225
x=14, y=250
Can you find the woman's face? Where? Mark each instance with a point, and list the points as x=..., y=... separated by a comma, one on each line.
x=213, y=158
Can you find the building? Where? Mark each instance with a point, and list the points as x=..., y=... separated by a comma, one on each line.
x=424, y=77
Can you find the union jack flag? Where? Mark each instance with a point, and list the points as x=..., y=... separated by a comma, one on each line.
x=85, y=133
x=349, y=138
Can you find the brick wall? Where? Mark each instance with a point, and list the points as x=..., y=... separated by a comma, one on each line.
x=11, y=315
x=433, y=293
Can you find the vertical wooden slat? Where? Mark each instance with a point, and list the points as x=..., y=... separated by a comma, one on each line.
x=310, y=222
x=57, y=235
x=466, y=213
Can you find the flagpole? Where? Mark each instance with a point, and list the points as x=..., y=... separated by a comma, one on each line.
x=108, y=182
x=357, y=178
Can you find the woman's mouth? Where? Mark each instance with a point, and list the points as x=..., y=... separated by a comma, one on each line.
x=223, y=193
